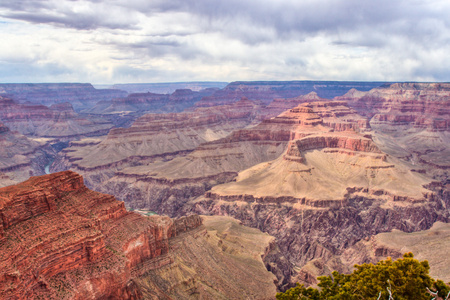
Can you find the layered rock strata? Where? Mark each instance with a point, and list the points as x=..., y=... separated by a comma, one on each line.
x=410, y=121
x=59, y=240
x=153, y=137
x=57, y=121
x=166, y=186
x=328, y=190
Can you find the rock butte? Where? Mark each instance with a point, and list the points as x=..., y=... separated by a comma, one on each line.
x=60, y=240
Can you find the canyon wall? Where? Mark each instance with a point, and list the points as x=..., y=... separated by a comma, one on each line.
x=60, y=240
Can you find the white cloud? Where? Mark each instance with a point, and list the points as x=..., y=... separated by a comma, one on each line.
x=174, y=40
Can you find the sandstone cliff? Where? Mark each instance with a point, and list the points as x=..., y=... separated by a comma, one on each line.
x=165, y=186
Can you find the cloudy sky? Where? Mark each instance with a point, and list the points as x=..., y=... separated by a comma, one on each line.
x=124, y=41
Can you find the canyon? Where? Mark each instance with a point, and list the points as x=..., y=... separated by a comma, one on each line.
x=330, y=182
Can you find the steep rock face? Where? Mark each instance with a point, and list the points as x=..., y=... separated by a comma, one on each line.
x=267, y=91
x=21, y=157
x=166, y=186
x=60, y=240
x=58, y=121
x=80, y=95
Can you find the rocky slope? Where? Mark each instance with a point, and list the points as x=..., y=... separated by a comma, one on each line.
x=80, y=95
x=21, y=157
x=57, y=121
x=59, y=240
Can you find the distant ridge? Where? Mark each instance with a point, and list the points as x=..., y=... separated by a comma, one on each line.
x=168, y=87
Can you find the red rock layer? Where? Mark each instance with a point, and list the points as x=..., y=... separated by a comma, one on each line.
x=59, y=239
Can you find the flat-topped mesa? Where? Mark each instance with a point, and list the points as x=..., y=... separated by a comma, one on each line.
x=55, y=231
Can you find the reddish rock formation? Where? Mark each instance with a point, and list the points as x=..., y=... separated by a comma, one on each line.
x=60, y=240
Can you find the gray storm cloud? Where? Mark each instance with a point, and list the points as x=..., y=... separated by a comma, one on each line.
x=231, y=40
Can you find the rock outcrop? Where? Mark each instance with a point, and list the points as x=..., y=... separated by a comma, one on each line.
x=60, y=240
x=332, y=187
x=153, y=137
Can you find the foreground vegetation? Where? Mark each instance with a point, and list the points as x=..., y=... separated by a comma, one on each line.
x=405, y=278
